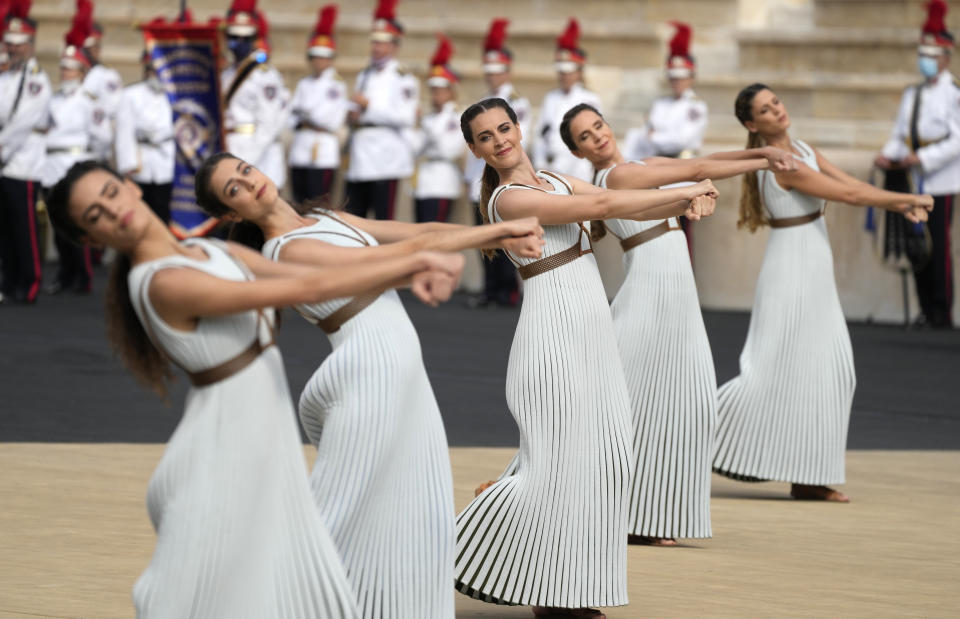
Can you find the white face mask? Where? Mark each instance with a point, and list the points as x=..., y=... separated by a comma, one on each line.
x=69, y=86
x=927, y=66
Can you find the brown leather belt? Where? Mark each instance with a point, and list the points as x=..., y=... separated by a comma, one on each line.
x=789, y=222
x=333, y=322
x=305, y=125
x=551, y=262
x=228, y=368
x=649, y=234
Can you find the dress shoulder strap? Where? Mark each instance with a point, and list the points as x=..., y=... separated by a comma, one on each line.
x=558, y=178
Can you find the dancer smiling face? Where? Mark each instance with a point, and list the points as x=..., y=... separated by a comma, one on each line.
x=496, y=138
x=593, y=138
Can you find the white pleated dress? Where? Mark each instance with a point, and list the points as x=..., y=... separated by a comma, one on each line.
x=785, y=416
x=238, y=532
x=382, y=476
x=552, y=531
x=673, y=386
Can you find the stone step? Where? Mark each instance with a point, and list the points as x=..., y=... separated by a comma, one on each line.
x=830, y=50
x=851, y=97
x=876, y=14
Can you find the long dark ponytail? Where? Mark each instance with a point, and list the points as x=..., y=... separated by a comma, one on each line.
x=125, y=333
x=490, y=178
x=751, y=204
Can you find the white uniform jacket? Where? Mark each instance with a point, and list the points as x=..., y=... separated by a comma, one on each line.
x=318, y=112
x=106, y=85
x=379, y=148
x=439, y=143
x=473, y=170
x=255, y=116
x=549, y=151
x=675, y=128
x=938, y=130
x=75, y=125
x=144, y=134
x=22, y=147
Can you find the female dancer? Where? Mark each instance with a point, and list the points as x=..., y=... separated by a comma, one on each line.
x=382, y=475
x=785, y=417
x=674, y=413
x=238, y=534
x=552, y=531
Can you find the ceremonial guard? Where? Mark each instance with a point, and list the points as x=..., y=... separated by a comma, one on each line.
x=549, y=151
x=255, y=100
x=677, y=122
x=383, y=109
x=25, y=91
x=145, y=144
x=75, y=129
x=439, y=141
x=102, y=82
x=500, y=276
x=926, y=140
x=318, y=112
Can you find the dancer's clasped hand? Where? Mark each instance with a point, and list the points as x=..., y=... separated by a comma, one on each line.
x=523, y=237
x=779, y=160
x=702, y=200
x=917, y=209
x=439, y=278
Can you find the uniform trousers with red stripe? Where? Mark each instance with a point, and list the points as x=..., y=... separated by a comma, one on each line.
x=75, y=269
x=433, y=209
x=935, y=279
x=311, y=183
x=380, y=195
x=20, y=261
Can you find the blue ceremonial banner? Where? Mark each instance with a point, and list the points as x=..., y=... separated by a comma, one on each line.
x=186, y=57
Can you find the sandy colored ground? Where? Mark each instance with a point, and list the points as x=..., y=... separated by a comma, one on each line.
x=74, y=535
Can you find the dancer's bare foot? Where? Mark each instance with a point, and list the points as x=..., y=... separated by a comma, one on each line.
x=552, y=612
x=643, y=540
x=803, y=492
x=483, y=487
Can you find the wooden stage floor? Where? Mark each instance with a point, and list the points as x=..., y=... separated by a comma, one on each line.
x=74, y=535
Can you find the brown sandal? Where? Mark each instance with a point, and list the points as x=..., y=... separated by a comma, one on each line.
x=803, y=492
x=643, y=540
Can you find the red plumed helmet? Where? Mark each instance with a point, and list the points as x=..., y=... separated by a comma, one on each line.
x=569, y=56
x=386, y=9
x=441, y=74
x=680, y=43
x=570, y=36
x=386, y=28
x=18, y=27
x=496, y=35
x=496, y=57
x=82, y=25
x=934, y=37
x=243, y=19
x=680, y=64
x=322, y=44
x=73, y=56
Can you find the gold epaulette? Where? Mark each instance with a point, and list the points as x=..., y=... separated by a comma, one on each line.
x=402, y=69
x=91, y=95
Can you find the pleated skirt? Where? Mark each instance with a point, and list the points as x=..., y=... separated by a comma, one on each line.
x=382, y=476
x=785, y=417
x=238, y=532
x=552, y=531
x=673, y=390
